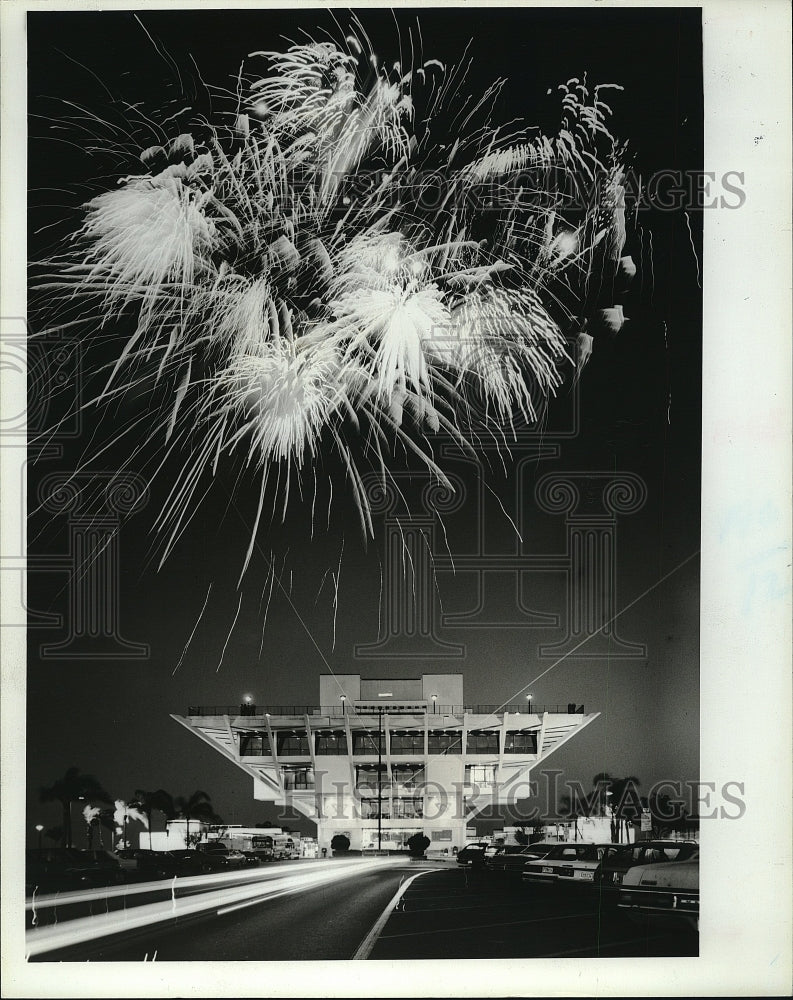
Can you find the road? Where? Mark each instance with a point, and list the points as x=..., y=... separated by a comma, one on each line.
x=469, y=913
x=286, y=922
x=330, y=910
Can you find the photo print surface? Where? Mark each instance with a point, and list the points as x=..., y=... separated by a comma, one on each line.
x=364, y=467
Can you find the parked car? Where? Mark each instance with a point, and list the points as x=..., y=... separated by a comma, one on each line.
x=199, y=862
x=568, y=863
x=60, y=869
x=112, y=859
x=236, y=859
x=511, y=859
x=647, y=852
x=472, y=854
x=663, y=892
x=253, y=858
x=152, y=864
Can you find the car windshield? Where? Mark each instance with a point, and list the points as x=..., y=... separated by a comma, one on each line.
x=668, y=852
x=573, y=852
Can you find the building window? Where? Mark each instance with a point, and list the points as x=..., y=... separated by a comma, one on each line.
x=480, y=774
x=293, y=745
x=408, y=775
x=482, y=741
x=441, y=834
x=368, y=743
x=445, y=741
x=366, y=778
x=372, y=809
x=298, y=777
x=521, y=741
x=254, y=745
x=407, y=809
x=331, y=743
x=407, y=743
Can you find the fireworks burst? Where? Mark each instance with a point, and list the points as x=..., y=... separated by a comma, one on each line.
x=301, y=280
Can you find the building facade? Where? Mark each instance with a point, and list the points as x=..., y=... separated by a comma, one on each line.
x=380, y=760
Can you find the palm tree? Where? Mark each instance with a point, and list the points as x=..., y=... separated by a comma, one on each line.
x=601, y=784
x=667, y=813
x=54, y=833
x=107, y=821
x=147, y=802
x=73, y=786
x=623, y=798
x=197, y=806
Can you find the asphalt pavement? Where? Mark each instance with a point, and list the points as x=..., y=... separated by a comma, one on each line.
x=317, y=923
x=338, y=910
x=473, y=913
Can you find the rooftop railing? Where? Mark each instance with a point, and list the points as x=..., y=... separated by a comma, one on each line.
x=339, y=711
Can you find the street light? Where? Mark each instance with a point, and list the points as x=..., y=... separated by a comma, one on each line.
x=343, y=700
x=39, y=828
x=435, y=703
x=69, y=832
x=528, y=699
x=380, y=779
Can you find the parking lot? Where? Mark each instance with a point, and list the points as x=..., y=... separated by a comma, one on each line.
x=476, y=913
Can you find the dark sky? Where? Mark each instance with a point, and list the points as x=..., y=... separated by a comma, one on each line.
x=639, y=413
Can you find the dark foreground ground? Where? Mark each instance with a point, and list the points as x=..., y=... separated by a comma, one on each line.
x=447, y=912
x=472, y=913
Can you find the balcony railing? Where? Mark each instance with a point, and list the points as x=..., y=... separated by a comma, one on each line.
x=339, y=711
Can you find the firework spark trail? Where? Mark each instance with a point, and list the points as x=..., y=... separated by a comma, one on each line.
x=693, y=248
x=195, y=626
x=336, y=579
x=225, y=644
x=292, y=311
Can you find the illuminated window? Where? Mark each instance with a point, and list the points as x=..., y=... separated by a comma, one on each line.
x=292, y=745
x=298, y=777
x=445, y=741
x=367, y=743
x=408, y=809
x=372, y=809
x=480, y=774
x=331, y=743
x=407, y=743
x=408, y=774
x=366, y=777
x=482, y=741
x=254, y=745
x=522, y=741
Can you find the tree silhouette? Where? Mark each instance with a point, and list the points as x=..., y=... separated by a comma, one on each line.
x=71, y=787
x=668, y=814
x=626, y=804
x=197, y=806
x=147, y=802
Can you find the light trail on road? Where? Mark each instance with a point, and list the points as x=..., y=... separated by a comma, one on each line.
x=185, y=882
x=222, y=899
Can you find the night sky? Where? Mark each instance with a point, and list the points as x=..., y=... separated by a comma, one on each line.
x=639, y=413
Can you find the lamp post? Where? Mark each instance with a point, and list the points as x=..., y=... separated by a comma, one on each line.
x=528, y=699
x=434, y=704
x=343, y=700
x=69, y=833
x=380, y=779
x=39, y=829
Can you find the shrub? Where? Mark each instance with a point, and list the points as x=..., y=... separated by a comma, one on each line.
x=340, y=843
x=418, y=844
